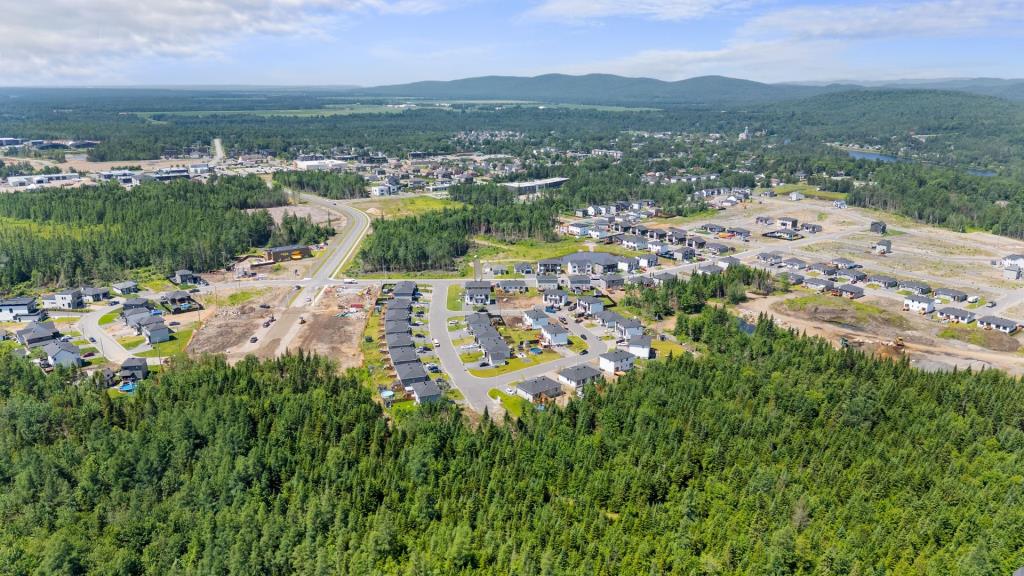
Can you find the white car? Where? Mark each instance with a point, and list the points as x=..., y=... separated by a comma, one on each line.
x=349, y=281
x=436, y=343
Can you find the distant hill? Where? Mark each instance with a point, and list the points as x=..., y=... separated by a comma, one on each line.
x=604, y=89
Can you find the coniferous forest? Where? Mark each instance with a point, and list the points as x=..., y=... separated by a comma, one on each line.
x=74, y=236
x=769, y=454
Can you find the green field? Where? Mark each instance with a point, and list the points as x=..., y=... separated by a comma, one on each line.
x=173, y=347
x=514, y=405
x=515, y=364
x=454, y=298
x=237, y=298
x=852, y=311
x=390, y=208
x=809, y=191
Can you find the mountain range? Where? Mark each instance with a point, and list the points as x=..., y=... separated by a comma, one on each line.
x=699, y=91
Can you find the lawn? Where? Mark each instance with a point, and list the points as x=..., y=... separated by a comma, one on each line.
x=514, y=405
x=809, y=191
x=454, y=299
x=373, y=359
x=515, y=364
x=237, y=298
x=577, y=344
x=990, y=339
x=110, y=317
x=130, y=342
x=663, y=348
x=471, y=356
x=173, y=347
x=389, y=208
x=981, y=302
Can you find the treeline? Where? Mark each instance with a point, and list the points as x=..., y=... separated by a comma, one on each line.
x=690, y=295
x=769, y=454
x=75, y=236
x=946, y=197
x=294, y=229
x=24, y=169
x=435, y=240
x=335, y=185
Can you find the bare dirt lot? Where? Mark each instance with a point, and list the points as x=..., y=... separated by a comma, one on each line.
x=229, y=327
x=335, y=326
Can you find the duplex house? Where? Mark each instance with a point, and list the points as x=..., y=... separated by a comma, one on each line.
x=696, y=242
x=794, y=264
x=404, y=289
x=878, y=227
x=996, y=323
x=63, y=354
x=882, y=247
x=536, y=389
x=549, y=266
x=394, y=341
x=713, y=228
x=716, y=248
x=477, y=293
x=547, y=282
x=616, y=361
x=683, y=253
x=955, y=315
x=738, y=232
x=64, y=300
x=676, y=235
x=648, y=261
x=535, y=318
x=770, y=258
x=183, y=277
x=634, y=243
x=628, y=328
x=608, y=319
x=627, y=265
x=579, y=283
x=609, y=281
x=523, y=268
x=556, y=298
x=590, y=305
x=411, y=373
x=788, y=223
x=852, y=274
x=707, y=270
x=843, y=263
x=396, y=327
x=20, y=309
x=406, y=355
x=919, y=304
x=883, y=280
x=576, y=377
x=554, y=334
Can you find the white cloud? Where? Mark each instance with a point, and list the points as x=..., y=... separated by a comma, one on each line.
x=579, y=10
x=893, y=19
x=43, y=40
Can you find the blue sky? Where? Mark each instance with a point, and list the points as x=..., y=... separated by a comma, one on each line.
x=372, y=42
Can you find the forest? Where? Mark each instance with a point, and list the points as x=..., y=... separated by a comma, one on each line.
x=770, y=454
x=685, y=296
x=334, y=185
x=435, y=240
x=68, y=237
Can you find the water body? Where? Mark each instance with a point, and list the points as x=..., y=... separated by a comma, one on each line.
x=861, y=155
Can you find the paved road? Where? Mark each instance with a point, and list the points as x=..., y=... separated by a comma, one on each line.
x=473, y=388
x=218, y=152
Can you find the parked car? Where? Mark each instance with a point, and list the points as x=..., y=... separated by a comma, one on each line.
x=253, y=340
x=91, y=339
x=265, y=306
x=174, y=323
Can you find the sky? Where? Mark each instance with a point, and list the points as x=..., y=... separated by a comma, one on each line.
x=378, y=42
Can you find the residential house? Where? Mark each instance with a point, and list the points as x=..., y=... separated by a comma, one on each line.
x=608, y=319
x=534, y=318
x=549, y=266
x=178, y=301
x=639, y=346
x=1013, y=260
x=852, y=274
x=770, y=258
x=634, y=243
x=64, y=300
x=90, y=294
x=811, y=228
x=955, y=315
x=63, y=354
x=996, y=323
x=764, y=220
x=882, y=247
x=696, y=242
x=184, y=277
x=842, y=263
x=788, y=235
x=404, y=289
x=496, y=351
x=590, y=305
x=547, y=282
x=883, y=280
x=726, y=261
x=819, y=284
x=850, y=291
x=156, y=332
x=579, y=283
x=134, y=369
x=20, y=309
x=878, y=227
x=794, y=264
x=707, y=269
x=523, y=268
x=135, y=303
x=554, y=334
x=411, y=373
x=628, y=265
x=536, y=389
x=609, y=282
x=126, y=287
x=477, y=293
x=717, y=249
x=576, y=377
x=37, y=334
x=788, y=223
x=616, y=361
x=792, y=277
x=683, y=253
x=951, y=294
x=713, y=228
x=738, y=232
x=1012, y=273
x=498, y=269
x=648, y=261
x=512, y=286
x=556, y=298
x=919, y=304
x=915, y=287
x=404, y=355
x=676, y=236
x=823, y=268
x=663, y=278
x=628, y=328
x=423, y=392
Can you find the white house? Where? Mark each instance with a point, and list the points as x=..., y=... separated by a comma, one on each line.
x=535, y=318
x=628, y=328
x=919, y=304
x=997, y=323
x=639, y=346
x=590, y=305
x=616, y=361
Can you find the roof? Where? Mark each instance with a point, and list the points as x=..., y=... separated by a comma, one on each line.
x=629, y=323
x=917, y=299
x=547, y=279
x=950, y=292
x=579, y=279
x=478, y=284
x=403, y=355
x=616, y=355
x=997, y=321
x=558, y=293
x=534, y=314
x=18, y=301
x=426, y=389
x=579, y=373
x=957, y=312
x=410, y=371
x=553, y=329
x=539, y=385
x=287, y=248
x=642, y=340
x=54, y=348
x=850, y=289
x=133, y=362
